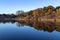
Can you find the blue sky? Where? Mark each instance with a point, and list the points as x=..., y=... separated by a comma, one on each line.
x=11, y=6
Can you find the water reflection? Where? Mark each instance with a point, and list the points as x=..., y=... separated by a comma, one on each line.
x=45, y=26
x=7, y=21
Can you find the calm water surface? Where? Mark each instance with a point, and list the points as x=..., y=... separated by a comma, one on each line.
x=17, y=31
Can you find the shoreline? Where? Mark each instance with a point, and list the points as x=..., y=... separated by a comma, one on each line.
x=39, y=19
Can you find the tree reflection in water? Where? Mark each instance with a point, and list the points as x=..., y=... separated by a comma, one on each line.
x=45, y=26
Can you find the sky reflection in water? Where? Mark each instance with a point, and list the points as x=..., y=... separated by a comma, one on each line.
x=26, y=31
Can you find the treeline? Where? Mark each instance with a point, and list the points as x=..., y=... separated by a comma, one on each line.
x=45, y=12
x=49, y=12
x=7, y=16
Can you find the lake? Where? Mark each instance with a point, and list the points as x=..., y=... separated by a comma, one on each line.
x=29, y=31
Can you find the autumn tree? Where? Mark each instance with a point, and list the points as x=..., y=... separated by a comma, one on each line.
x=58, y=11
